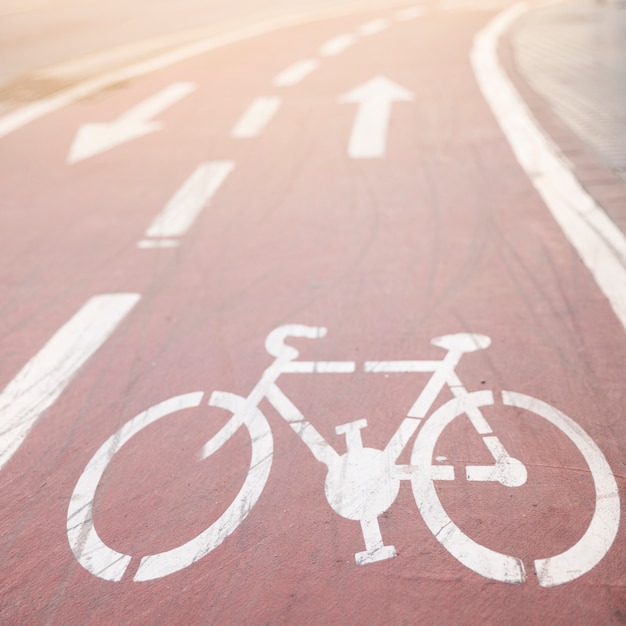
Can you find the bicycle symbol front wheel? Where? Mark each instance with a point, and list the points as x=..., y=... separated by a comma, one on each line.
x=101, y=560
x=553, y=570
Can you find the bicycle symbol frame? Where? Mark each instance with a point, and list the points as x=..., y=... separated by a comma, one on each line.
x=362, y=483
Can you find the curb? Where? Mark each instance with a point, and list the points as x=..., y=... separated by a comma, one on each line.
x=601, y=182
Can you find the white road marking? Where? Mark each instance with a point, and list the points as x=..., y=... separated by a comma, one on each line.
x=600, y=244
x=93, y=139
x=101, y=61
x=44, y=378
x=187, y=203
x=256, y=117
x=406, y=15
x=101, y=560
x=147, y=244
x=296, y=72
x=90, y=551
x=473, y=555
x=320, y=367
x=369, y=132
x=374, y=27
x=401, y=366
x=602, y=530
x=19, y=118
x=337, y=45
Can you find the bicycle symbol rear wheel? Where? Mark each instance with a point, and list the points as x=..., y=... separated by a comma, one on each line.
x=101, y=560
x=553, y=570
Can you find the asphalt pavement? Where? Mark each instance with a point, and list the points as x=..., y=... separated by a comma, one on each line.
x=315, y=321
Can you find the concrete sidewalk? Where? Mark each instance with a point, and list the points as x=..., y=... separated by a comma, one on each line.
x=574, y=55
x=570, y=61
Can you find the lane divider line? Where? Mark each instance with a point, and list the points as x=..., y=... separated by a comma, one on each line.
x=337, y=45
x=406, y=15
x=599, y=243
x=186, y=204
x=373, y=28
x=296, y=72
x=299, y=70
x=258, y=115
x=33, y=111
x=44, y=378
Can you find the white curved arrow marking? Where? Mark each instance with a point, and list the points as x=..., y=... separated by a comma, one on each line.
x=92, y=139
x=369, y=132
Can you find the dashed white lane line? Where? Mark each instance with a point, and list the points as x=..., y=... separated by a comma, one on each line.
x=373, y=28
x=187, y=203
x=293, y=74
x=337, y=45
x=256, y=117
x=44, y=378
x=412, y=13
x=19, y=118
x=599, y=243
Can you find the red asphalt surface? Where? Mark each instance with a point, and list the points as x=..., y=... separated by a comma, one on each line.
x=444, y=234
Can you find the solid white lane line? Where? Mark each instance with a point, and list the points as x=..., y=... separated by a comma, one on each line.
x=600, y=244
x=19, y=118
x=406, y=15
x=296, y=72
x=44, y=378
x=337, y=45
x=256, y=117
x=187, y=203
x=374, y=27
x=101, y=61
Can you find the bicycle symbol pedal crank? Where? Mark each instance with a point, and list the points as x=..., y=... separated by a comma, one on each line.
x=362, y=483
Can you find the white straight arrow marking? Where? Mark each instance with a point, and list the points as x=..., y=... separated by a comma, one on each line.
x=43, y=379
x=92, y=139
x=369, y=132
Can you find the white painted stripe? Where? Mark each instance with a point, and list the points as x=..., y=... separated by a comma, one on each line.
x=44, y=378
x=401, y=366
x=319, y=367
x=258, y=115
x=149, y=244
x=101, y=61
x=374, y=27
x=406, y=15
x=600, y=244
x=296, y=72
x=185, y=206
x=18, y=118
x=337, y=45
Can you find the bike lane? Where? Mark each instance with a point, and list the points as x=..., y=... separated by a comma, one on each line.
x=443, y=234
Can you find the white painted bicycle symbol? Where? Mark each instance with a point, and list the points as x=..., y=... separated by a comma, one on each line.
x=362, y=483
